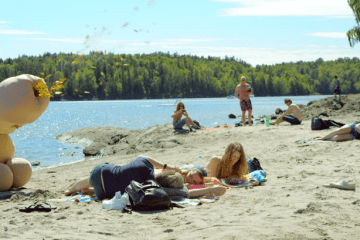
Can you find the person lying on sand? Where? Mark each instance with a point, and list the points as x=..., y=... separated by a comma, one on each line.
x=347, y=132
x=293, y=119
x=107, y=179
x=232, y=166
x=178, y=122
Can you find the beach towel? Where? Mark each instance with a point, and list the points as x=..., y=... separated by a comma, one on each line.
x=77, y=198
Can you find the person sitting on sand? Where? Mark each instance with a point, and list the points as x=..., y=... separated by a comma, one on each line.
x=178, y=122
x=232, y=166
x=347, y=132
x=107, y=179
x=294, y=119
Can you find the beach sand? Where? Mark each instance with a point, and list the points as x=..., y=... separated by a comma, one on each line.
x=292, y=204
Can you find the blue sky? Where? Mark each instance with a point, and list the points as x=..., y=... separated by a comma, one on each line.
x=256, y=31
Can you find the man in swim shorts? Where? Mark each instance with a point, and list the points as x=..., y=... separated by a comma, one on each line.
x=294, y=119
x=243, y=92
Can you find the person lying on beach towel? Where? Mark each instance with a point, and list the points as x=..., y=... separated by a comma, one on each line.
x=293, y=115
x=173, y=184
x=347, y=132
x=232, y=166
x=107, y=179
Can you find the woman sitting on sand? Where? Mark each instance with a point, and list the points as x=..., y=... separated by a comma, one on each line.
x=107, y=179
x=232, y=166
x=178, y=122
x=347, y=132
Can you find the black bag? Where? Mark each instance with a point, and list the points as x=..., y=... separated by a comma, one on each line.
x=197, y=123
x=319, y=124
x=146, y=196
x=253, y=164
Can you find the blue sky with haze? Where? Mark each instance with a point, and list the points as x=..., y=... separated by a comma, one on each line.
x=256, y=31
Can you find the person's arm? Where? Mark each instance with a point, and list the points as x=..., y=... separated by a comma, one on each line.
x=158, y=165
x=176, y=114
x=290, y=109
x=217, y=191
x=213, y=166
x=236, y=94
x=79, y=185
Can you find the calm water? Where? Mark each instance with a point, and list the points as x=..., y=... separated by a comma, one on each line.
x=35, y=142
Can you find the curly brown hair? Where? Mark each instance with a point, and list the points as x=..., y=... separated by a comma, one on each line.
x=239, y=169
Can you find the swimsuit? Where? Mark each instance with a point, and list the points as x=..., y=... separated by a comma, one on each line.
x=291, y=119
x=179, y=124
x=245, y=104
x=354, y=134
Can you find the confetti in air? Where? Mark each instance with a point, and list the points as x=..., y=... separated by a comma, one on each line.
x=151, y=3
x=124, y=25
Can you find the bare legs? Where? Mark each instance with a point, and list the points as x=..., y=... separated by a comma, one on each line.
x=249, y=117
x=341, y=134
x=278, y=120
x=189, y=122
x=82, y=184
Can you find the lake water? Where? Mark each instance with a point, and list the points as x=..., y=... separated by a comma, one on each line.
x=36, y=142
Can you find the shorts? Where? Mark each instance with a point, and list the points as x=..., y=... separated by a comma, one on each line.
x=354, y=134
x=179, y=124
x=95, y=180
x=245, y=105
x=291, y=119
x=337, y=90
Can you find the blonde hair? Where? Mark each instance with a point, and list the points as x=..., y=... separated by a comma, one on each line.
x=239, y=169
x=170, y=179
x=178, y=106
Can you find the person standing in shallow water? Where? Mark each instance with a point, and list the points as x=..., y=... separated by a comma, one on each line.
x=243, y=92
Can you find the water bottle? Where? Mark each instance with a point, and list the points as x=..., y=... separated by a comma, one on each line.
x=267, y=121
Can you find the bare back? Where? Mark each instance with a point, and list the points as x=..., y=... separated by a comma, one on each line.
x=294, y=109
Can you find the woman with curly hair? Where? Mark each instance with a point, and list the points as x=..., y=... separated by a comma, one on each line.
x=232, y=166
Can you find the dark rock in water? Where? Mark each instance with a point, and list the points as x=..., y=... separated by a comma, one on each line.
x=93, y=149
x=232, y=116
x=36, y=163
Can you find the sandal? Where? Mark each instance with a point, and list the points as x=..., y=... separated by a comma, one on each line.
x=38, y=207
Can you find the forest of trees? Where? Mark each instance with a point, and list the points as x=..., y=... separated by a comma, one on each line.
x=163, y=75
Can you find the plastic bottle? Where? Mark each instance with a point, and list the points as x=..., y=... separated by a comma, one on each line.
x=267, y=121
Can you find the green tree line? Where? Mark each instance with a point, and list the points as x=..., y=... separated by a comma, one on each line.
x=164, y=75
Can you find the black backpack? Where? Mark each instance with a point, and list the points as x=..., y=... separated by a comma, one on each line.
x=319, y=124
x=147, y=196
x=253, y=164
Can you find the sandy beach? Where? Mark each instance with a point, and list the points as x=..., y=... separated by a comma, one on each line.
x=292, y=204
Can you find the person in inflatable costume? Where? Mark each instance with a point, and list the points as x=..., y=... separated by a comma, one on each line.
x=23, y=99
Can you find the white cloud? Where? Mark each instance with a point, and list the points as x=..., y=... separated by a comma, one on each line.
x=19, y=32
x=328, y=34
x=287, y=8
x=3, y=22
